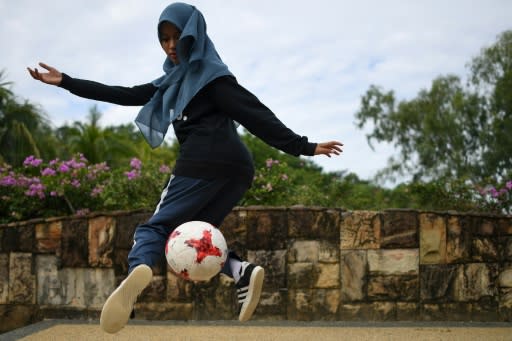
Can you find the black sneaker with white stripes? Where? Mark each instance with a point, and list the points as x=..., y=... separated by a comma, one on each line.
x=248, y=289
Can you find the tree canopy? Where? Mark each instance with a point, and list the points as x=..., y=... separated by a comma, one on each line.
x=450, y=130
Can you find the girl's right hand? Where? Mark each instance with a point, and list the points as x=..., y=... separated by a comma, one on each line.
x=329, y=148
x=53, y=76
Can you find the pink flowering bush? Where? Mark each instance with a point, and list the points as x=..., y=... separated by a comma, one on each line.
x=460, y=195
x=138, y=187
x=271, y=184
x=277, y=183
x=58, y=187
x=496, y=198
x=62, y=187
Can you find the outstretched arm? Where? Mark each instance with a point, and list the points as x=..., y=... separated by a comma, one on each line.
x=245, y=108
x=136, y=95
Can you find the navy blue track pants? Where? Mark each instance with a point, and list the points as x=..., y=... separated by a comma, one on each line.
x=184, y=199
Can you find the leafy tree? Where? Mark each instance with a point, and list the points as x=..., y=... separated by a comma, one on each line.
x=115, y=145
x=491, y=73
x=166, y=153
x=282, y=179
x=449, y=130
x=5, y=92
x=24, y=128
x=261, y=152
x=90, y=139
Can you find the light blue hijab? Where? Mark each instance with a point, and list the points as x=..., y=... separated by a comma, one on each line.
x=199, y=64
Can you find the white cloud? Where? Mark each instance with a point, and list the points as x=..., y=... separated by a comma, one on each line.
x=310, y=62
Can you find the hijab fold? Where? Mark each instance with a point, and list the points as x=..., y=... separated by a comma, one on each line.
x=199, y=64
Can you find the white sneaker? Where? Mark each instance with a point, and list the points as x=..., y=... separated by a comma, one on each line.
x=118, y=307
x=248, y=289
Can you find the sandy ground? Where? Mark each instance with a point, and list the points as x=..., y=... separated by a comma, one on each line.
x=66, y=330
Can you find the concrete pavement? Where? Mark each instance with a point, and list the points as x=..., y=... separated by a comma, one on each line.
x=264, y=330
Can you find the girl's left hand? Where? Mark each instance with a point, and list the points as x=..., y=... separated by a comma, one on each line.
x=329, y=148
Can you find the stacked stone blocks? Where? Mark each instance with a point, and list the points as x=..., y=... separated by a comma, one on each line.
x=321, y=264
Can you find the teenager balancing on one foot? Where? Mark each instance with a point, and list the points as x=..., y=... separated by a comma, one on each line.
x=202, y=100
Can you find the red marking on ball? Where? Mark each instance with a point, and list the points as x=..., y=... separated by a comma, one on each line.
x=175, y=233
x=204, y=246
x=184, y=274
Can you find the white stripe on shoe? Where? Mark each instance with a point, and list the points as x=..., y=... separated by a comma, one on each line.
x=249, y=297
x=118, y=307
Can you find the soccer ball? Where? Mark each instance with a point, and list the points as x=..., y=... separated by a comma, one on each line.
x=196, y=251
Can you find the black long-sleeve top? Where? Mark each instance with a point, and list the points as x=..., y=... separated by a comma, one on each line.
x=210, y=146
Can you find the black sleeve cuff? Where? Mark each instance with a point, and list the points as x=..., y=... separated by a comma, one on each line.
x=64, y=83
x=309, y=149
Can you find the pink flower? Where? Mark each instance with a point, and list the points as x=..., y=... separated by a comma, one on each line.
x=132, y=174
x=78, y=165
x=135, y=163
x=508, y=185
x=269, y=163
x=97, y=190
x=284, y=177
x=268, y=187
x=74, y=164
x=63, y=168
x=32, y=161
x=102, y=166
x=8, y=180
x=23, y=181
x=54, y=194
x=82, y=212
x=48, y=172
x=28, y=160
x=494, y=192
x=164, y=169
x=75, y=183
x=94, y=170
x=36, y=189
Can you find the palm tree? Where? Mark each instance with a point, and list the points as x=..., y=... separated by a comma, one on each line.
x=5, y=92
x=23, y=127
x=94, y=142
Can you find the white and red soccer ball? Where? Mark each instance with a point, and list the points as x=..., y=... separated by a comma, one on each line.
x=196, y=251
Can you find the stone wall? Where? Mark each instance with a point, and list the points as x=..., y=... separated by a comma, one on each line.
x=321, y=264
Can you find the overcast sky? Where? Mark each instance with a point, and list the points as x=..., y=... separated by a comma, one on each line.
x=309, y=61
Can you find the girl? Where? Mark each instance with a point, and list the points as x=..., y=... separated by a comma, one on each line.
x=203, y=101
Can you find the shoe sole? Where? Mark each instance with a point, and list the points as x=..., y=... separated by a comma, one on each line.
x=253, y=294
x=117, y=309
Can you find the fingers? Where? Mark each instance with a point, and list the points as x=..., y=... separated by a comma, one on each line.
x=31, y=72
x=329, y=148
x=46, y=66
x=34, y=73
x=333, y=144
